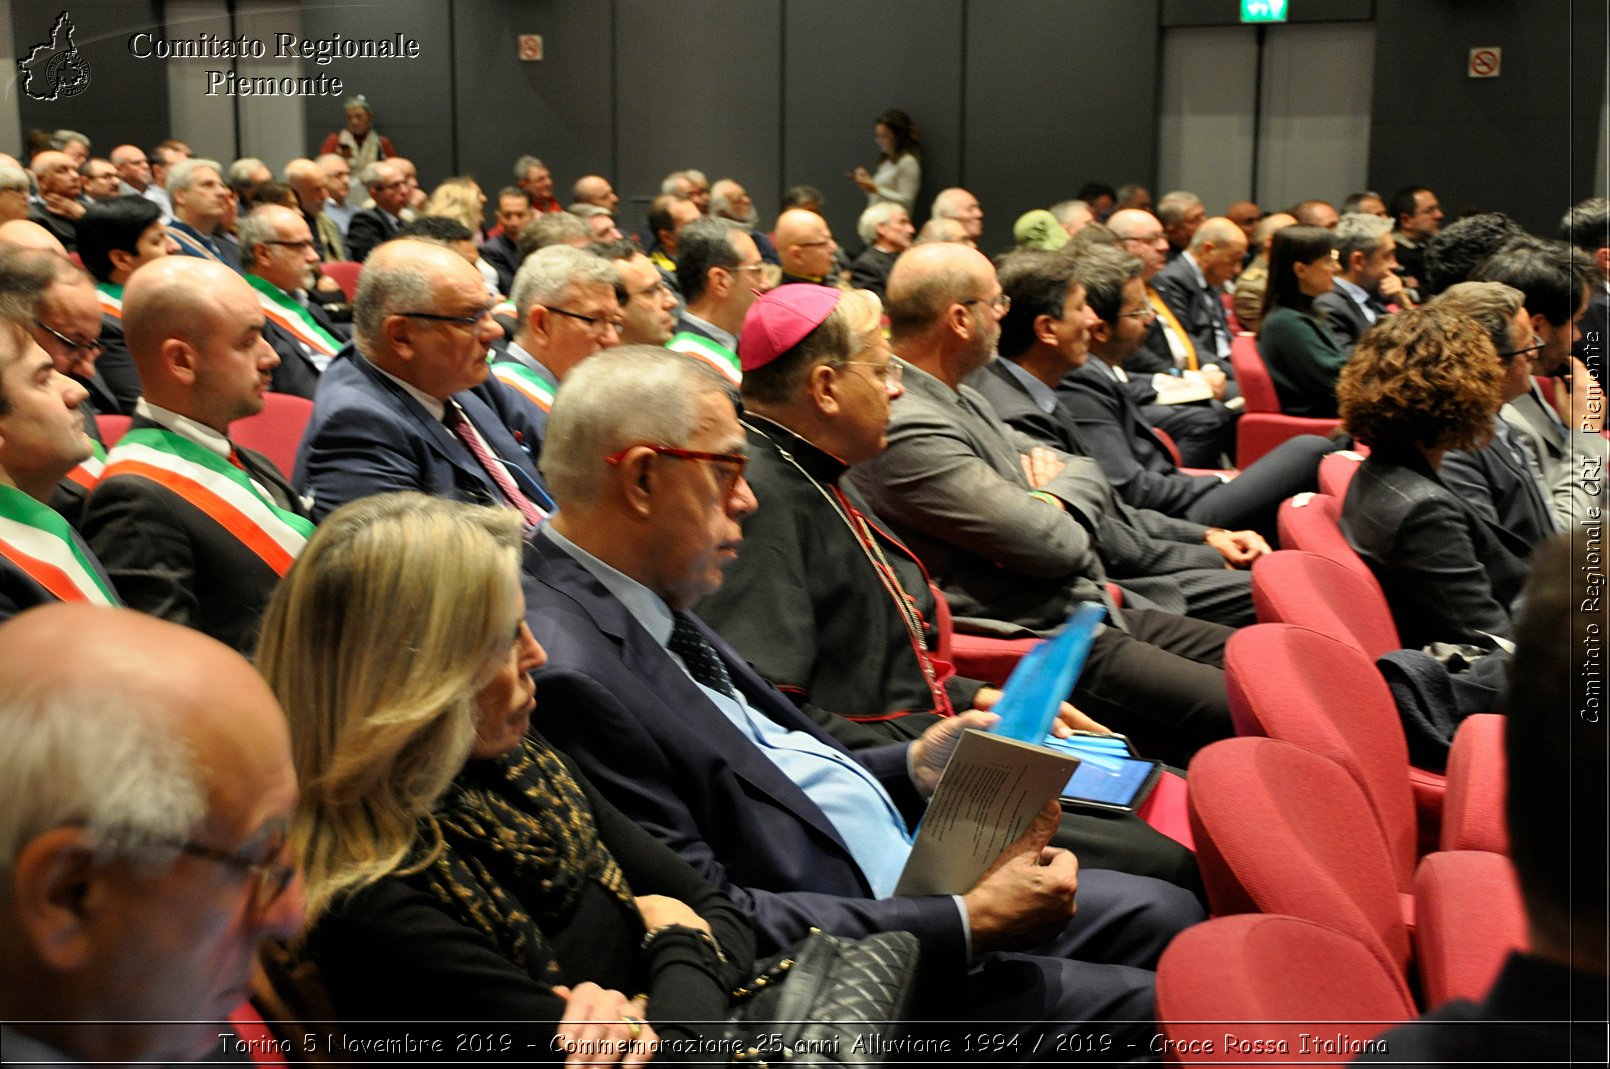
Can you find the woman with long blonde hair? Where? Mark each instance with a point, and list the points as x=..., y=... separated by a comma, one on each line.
x=457, y=867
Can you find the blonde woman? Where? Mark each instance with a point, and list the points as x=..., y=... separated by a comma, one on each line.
x=457, y=867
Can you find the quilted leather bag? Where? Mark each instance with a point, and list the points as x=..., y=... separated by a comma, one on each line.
x=821, y=1003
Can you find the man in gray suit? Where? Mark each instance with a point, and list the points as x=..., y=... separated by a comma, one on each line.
x=1367, y=281
x=1005, y=526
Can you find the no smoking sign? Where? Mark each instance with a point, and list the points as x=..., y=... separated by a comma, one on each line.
x=1484, y=62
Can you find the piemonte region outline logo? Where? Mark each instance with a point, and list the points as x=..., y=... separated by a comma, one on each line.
x=56, y=69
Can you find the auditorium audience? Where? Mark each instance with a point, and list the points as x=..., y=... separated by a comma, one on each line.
x=962, y=207
x=565, y=310
x=457, y=866
x=1365, y=282
x=368, y=227
x=202, y=203
x=358, y=142
x=60, y=196
x=1251, y=284
x=1417, y=217
x=1192, y=284
x=115, y=238
x=885, y=228
x=720, y=275
x=146, y=793
x=1181, y=213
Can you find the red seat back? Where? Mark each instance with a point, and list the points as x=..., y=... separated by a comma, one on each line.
x=1336, y=471
x=1267, y=980
x=1471, y=916
x=1291, y=586
x=276, y=430
x=1252, y=376
x=1473, y=816
x=1313, y=522
x=1281, y=830
x=1325, y=696
x=345, y=274
x=111, y=427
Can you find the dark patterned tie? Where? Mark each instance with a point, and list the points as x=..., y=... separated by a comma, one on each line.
x=702, y=661
x=459, y=424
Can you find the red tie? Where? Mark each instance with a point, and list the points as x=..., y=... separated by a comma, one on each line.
x=459, y=424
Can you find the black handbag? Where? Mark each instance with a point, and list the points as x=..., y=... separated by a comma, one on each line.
x=829, y=1001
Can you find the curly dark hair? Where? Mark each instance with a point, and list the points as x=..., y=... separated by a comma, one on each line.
x=907, y=134
x=1426, y=377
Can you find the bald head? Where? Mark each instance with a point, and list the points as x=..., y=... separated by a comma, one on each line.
x=958, y=204
x=166, y=736
x=927, y=279
x=595, y=189
x=307, y=181
x=1272, y=222
x=1219, y=247
x=27, y=234
x=805, y=244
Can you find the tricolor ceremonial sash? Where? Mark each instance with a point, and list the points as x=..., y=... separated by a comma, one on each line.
x=713, y=353
x=292, y=317
x=38, y=541
x=212, y=484
x=529, y=384
x=194, y=246
x=89, y=471
x=111, y=298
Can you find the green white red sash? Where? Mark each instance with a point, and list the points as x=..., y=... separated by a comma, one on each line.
x=89, y=471
x=38, y=541
x=713, y=353
x=527, y=383
x=292, y=317
x=111, y=297
x=212, y=484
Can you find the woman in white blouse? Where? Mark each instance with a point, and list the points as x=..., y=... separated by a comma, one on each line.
x=899, y=172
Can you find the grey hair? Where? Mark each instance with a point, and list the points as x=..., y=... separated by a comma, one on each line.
x=83, y=754
x=875, y=216
x=374, y=174
x=551, y=228
x=182, y=174
x=62, y=138
x=1358, y=232
x=524, y=164
x=241, y=171
x=600, y=410
x=1174, y=205
x=13, y=178
x=256, y=228
x=1217, y=230
x=385, y=289
x=1064, y=209
x=547, y=273
x=1491, y=304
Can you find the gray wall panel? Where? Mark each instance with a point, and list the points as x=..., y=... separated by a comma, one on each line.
x=1043, y=121
x=698, y=87
x=847, y=61
x=559, y=109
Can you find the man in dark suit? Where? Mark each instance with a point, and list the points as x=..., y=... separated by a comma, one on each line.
x=719, y=273
x=501, y=251
x=886, y=230
x=680, y=734
x=190, y=527
x=1193, y=286
x=1368, y=279
x=114, y=238
x=388, y=184
x=277, y=254
x=411, y=407
x=1006, y=527
x=1159, y=561
x=1104, y=416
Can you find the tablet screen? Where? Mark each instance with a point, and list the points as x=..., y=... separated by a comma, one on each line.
x=1109, y=780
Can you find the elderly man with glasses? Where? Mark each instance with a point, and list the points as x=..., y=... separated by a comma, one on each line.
x=414, y=406
x=279, y=256
x=142, y=852
x=565, y=309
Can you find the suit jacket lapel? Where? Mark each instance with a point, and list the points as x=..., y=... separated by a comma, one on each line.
x=433, y=430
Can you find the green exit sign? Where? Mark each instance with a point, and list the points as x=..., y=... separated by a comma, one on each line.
x=1263, y=10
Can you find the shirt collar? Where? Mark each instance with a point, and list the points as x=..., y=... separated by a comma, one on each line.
x=817, y=462
x=184, y=427
x=725, y=337
x=645, y=606
x=1358, y=293
x=1038, y=391
x=435, y=406
x=517, y=353
x=1196, y=271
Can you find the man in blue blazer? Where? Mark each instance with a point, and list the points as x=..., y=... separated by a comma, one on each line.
x=676, y=730
x=400, y=410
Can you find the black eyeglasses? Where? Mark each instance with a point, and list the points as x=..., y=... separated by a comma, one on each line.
x=1525, y=350
x=82, y=349
x=268, y=879
x=303, y=245
x=599, y=324
x=470, y=320
x=1000, y=303
x=729, y=466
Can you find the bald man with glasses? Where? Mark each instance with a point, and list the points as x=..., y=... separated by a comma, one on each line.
x=414, y=406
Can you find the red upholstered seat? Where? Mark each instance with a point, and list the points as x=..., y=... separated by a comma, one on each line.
x=276, y=431
x=1474, y=894
x=1262, y=425
x=111, y=427
x=1265, y=980
x=1282, y=830
x=1336, y=471
x=1313, y=522
x=1290, y=586
x=1473, y=811
x=345, y=275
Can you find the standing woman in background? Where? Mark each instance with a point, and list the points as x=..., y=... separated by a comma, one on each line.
x=899, y=173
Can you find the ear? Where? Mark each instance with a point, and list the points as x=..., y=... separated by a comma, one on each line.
x=181, y=360
x=122, y=259
x=959, y=320
x=399, y=334
x=1356, y=261
x=1601, y=257
x=57, y=888
x=1100, y=332
x=716, y=282
x=822, y=384
x=634, y=477
x=536, y=320
x=1045, y=331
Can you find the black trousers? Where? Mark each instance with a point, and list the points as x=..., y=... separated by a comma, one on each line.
x=1252, y=499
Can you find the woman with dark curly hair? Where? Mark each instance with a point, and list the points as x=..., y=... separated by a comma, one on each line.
x=1302, y=355
x=899, y=173
x=1420, y=383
